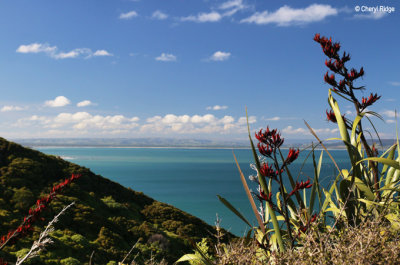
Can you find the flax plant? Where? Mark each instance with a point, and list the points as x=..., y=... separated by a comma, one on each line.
x=369, y=190
x=356, y=194
x=364, y=188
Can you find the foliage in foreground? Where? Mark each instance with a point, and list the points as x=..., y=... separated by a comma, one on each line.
x=372, y=242
x=355, y=219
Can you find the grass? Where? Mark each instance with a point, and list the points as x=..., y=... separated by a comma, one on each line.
x=371, y=242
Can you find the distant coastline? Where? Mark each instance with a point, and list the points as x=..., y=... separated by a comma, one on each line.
x=173, y=143
x=138, y=147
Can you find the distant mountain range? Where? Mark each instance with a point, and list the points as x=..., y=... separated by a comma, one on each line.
x=130, y=142
x=171, y=142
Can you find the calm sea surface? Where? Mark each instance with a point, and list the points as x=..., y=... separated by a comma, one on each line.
x=189, y=179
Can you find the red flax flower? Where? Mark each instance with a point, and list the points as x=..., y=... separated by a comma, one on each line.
x=330, y=79
x=265, y=150
x=277, y=140
x=330, y=116
x=330, y=49
x=263, y=137
x=345, y=57
x=354, y=74
x=292, y=155
x=267, y=171
x=366, y=102
x=300, y=186
x=342, y=86
x=34, y=213
x=334, y=66
x=272, y=139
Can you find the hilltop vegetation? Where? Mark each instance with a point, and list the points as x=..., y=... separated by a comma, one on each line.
x=107, y=218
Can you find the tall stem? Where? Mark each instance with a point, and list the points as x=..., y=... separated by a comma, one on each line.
x=284, y=204
x=366, y=145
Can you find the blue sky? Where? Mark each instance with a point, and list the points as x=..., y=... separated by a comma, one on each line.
x=144, y=68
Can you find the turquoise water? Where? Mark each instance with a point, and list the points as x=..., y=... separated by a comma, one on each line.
x=189, y=179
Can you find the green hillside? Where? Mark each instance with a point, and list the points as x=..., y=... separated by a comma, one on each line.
x=107, y=218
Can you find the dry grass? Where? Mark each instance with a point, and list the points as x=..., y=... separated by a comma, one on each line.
x=238, y=253
x=369, y=243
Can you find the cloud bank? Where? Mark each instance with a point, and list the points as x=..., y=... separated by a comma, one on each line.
x=52, y=51
x=287, y=16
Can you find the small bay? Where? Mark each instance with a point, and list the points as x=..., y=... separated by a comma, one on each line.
x=189, y=178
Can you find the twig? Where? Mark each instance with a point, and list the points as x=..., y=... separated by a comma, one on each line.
x=130, y=250
x=44, y=238
x=91, y=256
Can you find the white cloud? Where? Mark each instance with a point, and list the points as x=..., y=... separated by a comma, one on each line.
x=231, y=4
x=154, y=119
x=196, y=124
x=171, y=118
x=389, y=113
x=243, y=120
x=159, y=15
x=226, y=9
x=394, y=83
x=102, y=53
x=291, y=130
x=371, y=15
x=232, y=7
x=59, y=101
x=216, y=107
x=36, y=48
x=71, y=54
x=83, y=122
x=208, y=118
x=213, y=16
x=286, y=16
x=391, y=121
x=52, y=51
x=326, y=131
x=220, y=56
x=166, y=57
x=7, y=108
x=274, y=118
x=128, y=15
x=303, y=131
x=227, y=120
x=84, y=103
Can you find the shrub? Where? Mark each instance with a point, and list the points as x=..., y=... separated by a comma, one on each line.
x=23, y=198
x=70, y=261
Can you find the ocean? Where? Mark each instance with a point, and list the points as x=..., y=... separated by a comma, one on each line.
x=189, y=178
